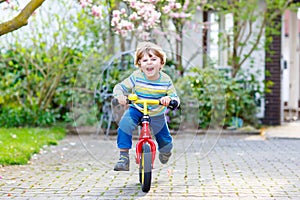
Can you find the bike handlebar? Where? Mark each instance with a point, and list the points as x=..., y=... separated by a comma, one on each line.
x=172, y=105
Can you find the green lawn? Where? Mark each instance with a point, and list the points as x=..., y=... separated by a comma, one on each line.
x=17, y=145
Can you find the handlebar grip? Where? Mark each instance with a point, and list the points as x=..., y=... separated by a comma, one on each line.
x=173, y=104
x=115, y=102
x=129, y=101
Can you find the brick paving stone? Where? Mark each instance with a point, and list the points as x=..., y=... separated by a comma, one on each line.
x=201, y=167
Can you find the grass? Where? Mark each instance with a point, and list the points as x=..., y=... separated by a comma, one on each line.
x=17, y=145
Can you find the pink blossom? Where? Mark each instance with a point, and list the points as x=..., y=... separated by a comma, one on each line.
x=166, y=9
x=132, y=3
x=126, y=25
x=115, y=21
x=145, y=36
x=148, y=14
x=151, y=18
x=138, y=5
x=116, y=13
x=174, y=15
x=85, y=3
x=134, y=16
x=123, y=11
x=97, y=11
x=140, y=29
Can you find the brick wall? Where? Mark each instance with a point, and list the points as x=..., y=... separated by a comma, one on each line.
x=273, y=99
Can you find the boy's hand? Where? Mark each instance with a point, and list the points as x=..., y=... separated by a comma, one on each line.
x=165, y=100
x=122, y=100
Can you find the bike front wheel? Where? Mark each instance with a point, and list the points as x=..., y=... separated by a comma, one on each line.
x=145, y=171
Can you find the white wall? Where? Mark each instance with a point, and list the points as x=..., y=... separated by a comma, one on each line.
x=257, y=60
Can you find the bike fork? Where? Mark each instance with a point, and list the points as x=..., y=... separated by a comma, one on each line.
x=145, y=137
x=139, y=147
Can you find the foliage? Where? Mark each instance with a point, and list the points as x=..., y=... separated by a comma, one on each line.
x=17, y=145
x=32, y=83
x=23, y=116
x=39, y=76
x=63, y=58
x=209, y=86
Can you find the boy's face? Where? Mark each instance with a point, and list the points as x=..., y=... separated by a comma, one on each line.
x=151, y=64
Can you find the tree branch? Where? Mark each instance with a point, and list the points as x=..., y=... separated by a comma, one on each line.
x=21, y=19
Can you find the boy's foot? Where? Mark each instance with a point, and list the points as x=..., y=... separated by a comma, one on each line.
x=164, y=157
x=122, y=164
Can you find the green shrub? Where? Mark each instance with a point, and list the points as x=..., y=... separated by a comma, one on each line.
x=38, y=69
x=221, y=100
x=22, y=116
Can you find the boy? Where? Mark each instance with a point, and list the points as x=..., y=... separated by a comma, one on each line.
x=148, y=82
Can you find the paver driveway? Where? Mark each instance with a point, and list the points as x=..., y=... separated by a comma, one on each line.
x=202, y=167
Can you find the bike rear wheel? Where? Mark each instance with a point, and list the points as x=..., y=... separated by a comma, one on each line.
x=145, y=171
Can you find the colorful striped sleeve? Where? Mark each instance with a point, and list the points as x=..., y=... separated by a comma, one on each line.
x=124, y=87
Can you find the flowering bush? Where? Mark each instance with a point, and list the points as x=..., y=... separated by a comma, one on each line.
x=141, y=15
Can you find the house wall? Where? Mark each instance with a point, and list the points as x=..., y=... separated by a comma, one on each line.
x=192, y=50
x=291, y=67
x=256, y=63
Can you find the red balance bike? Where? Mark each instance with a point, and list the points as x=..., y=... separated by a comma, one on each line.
x=145, y=147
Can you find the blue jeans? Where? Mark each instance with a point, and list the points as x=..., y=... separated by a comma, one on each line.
x=158, y=124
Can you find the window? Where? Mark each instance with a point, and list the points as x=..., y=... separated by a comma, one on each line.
x=220, y=39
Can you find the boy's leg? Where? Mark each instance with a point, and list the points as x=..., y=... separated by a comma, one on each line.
x=163, y=137
x=127, y=125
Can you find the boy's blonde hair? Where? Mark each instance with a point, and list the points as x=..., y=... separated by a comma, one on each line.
x=149, y=48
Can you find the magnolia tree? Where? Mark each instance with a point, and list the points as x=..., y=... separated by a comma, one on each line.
x=142, y=19
x=143, y=16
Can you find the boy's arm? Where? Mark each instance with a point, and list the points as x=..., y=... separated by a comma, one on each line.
x=124, y=88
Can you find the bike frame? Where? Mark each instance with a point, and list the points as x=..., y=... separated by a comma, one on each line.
x=145, y=133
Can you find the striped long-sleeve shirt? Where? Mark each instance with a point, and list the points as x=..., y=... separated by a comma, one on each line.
x=147, y=89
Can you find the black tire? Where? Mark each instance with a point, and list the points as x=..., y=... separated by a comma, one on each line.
x=145, y=168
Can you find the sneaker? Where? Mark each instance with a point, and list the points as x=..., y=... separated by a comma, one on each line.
x=164, y=157
x=122, y=164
